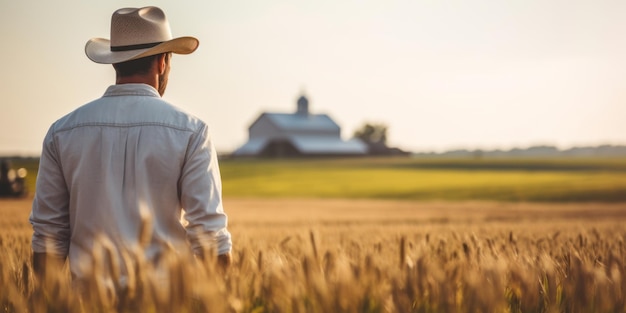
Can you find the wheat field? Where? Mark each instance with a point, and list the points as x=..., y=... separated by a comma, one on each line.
x=330, y=255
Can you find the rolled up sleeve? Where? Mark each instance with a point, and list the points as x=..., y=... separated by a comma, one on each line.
x=50, y=211
x=201, y=197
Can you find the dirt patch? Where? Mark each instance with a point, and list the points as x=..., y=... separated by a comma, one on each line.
x=293, y=212
x=286, y=211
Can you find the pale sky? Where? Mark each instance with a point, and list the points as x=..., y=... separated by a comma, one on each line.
x=441, y=74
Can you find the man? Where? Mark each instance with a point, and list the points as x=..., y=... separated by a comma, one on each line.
x=124, y=166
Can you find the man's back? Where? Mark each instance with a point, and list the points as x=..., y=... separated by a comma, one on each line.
x=128, y=160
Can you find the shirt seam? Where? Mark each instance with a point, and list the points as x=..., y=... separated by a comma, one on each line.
x=68, y=128
x=131, y=94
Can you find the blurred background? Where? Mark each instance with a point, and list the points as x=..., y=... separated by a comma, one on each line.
x=529, y=94
x=441, y=75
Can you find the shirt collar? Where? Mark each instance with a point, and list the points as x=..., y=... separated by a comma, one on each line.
x=131, y=90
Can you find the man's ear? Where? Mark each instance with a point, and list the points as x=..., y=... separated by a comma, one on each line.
x=161, y=63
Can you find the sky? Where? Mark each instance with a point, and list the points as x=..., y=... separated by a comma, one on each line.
x=442, y=75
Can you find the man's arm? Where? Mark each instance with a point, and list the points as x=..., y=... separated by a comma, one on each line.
x=201, y=197
x=50, y=213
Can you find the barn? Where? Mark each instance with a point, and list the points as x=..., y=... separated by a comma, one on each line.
x=297, y=134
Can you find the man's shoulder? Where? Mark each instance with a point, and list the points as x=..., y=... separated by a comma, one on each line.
x=132, y=110
x=177, y=115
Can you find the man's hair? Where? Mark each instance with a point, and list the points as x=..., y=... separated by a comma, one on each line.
x=133, y=67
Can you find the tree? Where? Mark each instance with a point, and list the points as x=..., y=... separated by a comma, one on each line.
x=375, y=137
x=372, y=134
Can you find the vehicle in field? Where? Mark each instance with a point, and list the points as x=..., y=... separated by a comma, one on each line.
x=12, y=181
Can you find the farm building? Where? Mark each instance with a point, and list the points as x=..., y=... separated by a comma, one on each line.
x=298, y=134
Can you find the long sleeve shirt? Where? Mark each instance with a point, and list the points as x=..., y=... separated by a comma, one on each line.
x=124, y=167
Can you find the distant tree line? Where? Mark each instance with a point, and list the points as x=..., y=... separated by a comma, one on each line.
x=536, y=151
x=375, y=135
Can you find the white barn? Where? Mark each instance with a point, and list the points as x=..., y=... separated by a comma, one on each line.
x=298, y=134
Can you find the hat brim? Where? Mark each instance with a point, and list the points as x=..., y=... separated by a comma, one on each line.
x=99, y=50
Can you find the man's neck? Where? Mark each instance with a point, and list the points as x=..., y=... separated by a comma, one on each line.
x=138, y=79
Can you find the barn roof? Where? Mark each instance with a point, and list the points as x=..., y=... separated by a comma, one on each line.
x=300, y=122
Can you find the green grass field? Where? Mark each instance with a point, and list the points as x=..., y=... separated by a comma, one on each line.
x=497, y=179
x=551, y=180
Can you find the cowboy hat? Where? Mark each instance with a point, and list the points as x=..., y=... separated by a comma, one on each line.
x=137, y=33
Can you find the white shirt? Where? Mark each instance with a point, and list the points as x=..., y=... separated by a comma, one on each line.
x=122, y=162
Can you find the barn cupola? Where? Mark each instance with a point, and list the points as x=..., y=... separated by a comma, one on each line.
x=303, y=106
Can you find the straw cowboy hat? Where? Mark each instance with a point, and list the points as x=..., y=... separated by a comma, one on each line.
x=137, y=33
